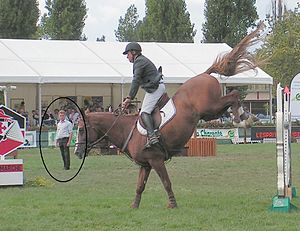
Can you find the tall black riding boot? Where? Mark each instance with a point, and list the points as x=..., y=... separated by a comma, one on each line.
x=148, y=122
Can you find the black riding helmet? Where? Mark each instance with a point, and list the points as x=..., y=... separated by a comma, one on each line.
x=133, y=46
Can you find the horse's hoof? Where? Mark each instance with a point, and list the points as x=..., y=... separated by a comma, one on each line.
x=172, y=206
x=134, y=206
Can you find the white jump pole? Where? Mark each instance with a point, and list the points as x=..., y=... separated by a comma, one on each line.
x=281, y=202
x=279, y=143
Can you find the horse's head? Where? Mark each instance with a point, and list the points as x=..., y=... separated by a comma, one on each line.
x=86, y=136
x=97, y=126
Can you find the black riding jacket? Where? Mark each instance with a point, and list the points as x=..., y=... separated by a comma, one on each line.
x=145, y=75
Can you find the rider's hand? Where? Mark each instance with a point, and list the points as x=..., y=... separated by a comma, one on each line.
x=126, y=103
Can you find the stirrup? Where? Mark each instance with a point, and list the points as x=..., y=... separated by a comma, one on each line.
x=152, y=141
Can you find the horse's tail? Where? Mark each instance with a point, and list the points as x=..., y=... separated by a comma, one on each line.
x=238, y=59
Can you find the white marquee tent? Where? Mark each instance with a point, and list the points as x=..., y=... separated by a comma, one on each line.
x=49, y=61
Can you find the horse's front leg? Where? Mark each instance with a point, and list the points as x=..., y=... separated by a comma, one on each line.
x=160, y=168
x=141, y=183
x=230, y=100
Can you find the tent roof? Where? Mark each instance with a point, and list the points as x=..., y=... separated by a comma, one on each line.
x=52, y=61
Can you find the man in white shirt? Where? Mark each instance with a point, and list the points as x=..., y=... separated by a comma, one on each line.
x=64, y=137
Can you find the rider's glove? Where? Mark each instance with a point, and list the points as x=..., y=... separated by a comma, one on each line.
x=126, y=102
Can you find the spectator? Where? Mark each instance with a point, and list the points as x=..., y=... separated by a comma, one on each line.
x=48, y=118
x=35, y=117
x=74, y=116
x=55, y=114
x=64, y=137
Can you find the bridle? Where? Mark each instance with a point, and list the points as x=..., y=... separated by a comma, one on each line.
x=118, y=112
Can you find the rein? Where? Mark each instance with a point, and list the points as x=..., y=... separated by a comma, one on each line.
x=119, y=112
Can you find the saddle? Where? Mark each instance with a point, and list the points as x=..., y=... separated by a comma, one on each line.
x=164, y=112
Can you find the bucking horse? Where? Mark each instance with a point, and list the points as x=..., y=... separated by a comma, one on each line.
x=198, y=98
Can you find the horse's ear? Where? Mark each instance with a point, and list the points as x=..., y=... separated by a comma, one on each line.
x=159, y=69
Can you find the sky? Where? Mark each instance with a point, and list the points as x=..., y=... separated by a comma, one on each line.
x=103, y=15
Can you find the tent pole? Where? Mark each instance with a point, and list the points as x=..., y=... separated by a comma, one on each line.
x=122, y=89
x=270, y=103
x=111, y=94
x=40, y=103
x=6, y=101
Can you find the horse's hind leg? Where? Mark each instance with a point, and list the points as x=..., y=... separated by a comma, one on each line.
x=160, y=168
x=141, y=183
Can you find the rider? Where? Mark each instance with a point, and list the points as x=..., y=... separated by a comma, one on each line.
x=147, y=76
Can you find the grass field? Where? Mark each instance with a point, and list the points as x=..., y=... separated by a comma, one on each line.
x=231, y=191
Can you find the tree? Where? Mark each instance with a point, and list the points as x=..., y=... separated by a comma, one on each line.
x=127, y=29
x=64, y=20
x=281, y=49
x=166, y=21
x=227, y=21
x=18, y=19
x=276, y=14
x=101, y=39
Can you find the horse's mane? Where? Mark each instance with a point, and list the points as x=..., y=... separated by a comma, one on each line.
x=239, y=59
x=112, y=114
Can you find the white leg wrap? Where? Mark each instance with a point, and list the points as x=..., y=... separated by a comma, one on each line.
x=240, y=111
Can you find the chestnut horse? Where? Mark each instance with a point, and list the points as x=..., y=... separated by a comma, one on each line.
x=198, y=98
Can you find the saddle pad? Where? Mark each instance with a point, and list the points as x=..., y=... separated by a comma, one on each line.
x=167, y=113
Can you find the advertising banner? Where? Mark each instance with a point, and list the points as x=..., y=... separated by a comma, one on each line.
x=11, y=172
x=295, y=98
x=30, y=139
x=221, y=133
x=261, y=133
x=12, y=130
x=12, y=134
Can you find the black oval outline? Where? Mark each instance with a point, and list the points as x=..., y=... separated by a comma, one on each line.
x=40, y=146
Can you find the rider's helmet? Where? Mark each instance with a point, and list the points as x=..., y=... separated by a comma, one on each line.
x=132, y=46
